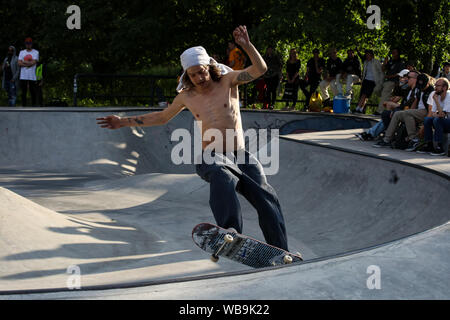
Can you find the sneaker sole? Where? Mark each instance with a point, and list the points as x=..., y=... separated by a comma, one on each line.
x=437, y=154
x=378, y=146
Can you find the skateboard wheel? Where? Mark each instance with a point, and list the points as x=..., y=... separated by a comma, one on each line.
x=287, y=259
x=214, y=258
x=228, y=238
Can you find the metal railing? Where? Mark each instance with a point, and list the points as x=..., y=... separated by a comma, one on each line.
x=146, y=90
x=132, y=89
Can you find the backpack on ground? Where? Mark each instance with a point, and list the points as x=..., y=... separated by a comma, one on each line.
x=399, y=137
x=315, y=102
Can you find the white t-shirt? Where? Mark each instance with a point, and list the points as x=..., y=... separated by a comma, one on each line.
x=445, y=105
x=411, y=91
x=420, y=104
x=369, y=72
x=28, y=73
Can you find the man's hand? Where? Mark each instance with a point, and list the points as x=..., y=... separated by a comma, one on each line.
x=110, y=122
x=436, y=97
x=241, y=37
x=438, y=114
x=438, y=104
x=258, y=67
x=27, y=64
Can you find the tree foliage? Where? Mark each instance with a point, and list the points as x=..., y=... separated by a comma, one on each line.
x=134, y=36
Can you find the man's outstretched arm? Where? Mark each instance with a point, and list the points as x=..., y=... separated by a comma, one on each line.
x=146, y=120
x=258, y=67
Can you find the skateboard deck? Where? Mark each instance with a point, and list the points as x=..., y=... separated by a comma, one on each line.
x=240, y=248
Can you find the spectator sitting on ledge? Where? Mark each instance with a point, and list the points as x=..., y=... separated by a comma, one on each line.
x=437, y=118
x=410, y=117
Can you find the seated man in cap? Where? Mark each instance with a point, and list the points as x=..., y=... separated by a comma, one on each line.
x=411, y=117
x=210, y=91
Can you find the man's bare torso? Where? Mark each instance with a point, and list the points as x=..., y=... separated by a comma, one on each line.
x=217, y=108
x=214, y=104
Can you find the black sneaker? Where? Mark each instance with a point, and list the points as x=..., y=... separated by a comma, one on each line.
x=364, y=136
x=412, y=145
x=425, y=147
x=379, y=138
x=382, y=144
x=360, y=136
x=438, y=151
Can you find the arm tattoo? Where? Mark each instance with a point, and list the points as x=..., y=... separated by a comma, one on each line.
x=244, y=77
x=139, y=120
x=136, y=120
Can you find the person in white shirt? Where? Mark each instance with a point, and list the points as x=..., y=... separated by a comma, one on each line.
x=372, y=78
x=27, y=62
x=437, y=118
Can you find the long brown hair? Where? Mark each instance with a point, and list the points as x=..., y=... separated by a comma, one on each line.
x=213, y=70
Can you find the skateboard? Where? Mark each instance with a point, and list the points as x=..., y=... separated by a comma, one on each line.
x=221, y=242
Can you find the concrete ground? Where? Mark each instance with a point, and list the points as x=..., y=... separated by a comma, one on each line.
x=112, y=205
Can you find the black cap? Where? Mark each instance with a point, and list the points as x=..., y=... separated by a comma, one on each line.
x=446, y=64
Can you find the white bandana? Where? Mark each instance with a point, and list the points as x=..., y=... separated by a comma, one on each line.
x=197, y=56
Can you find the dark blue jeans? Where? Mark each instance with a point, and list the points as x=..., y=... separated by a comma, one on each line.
x=226, y=177
x=11, y=90
x=440, y=126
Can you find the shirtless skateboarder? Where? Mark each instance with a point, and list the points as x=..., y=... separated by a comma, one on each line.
x=210, y=91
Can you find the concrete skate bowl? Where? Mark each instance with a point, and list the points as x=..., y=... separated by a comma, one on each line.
x=111, y=207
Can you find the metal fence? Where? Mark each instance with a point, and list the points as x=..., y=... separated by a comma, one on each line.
x=115, y=89
x=144, y=90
